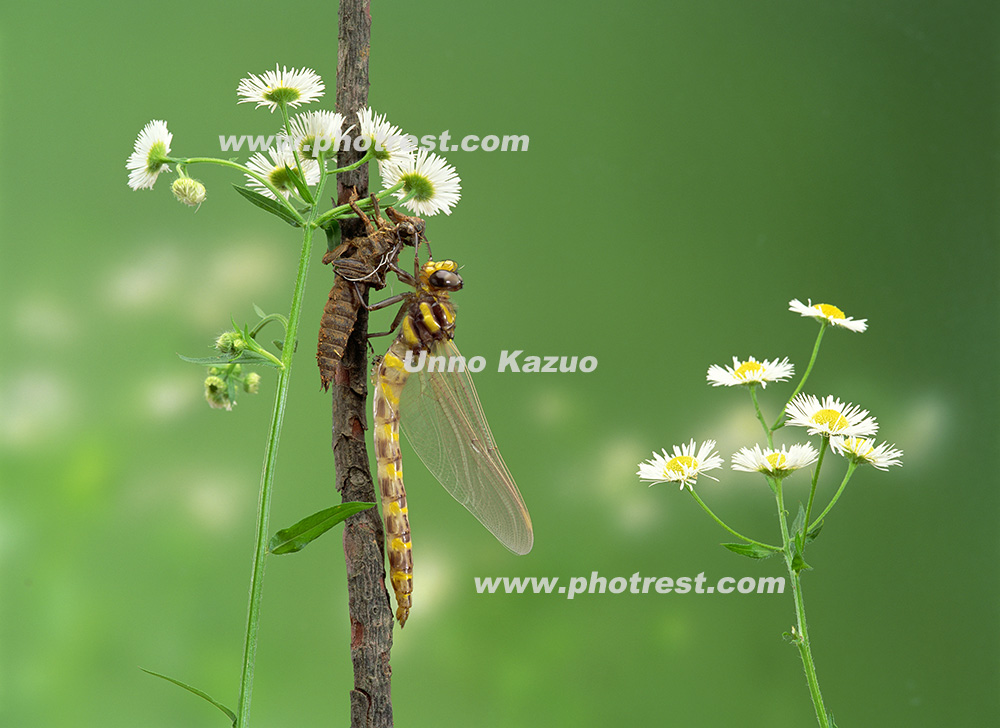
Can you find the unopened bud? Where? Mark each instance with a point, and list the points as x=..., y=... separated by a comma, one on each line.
x=251, y=384
x=231, y=342
x=189, y=191
x=217, y=393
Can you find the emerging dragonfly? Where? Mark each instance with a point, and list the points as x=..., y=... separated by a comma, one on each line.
x=444, y=422
x=361, y=260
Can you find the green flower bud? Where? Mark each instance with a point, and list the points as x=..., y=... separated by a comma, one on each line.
x=217, y=393
x=251, y=384
x=231, y=342
x=189, y=191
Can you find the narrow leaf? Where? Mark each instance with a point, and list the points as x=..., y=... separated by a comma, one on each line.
x=245, y=357
x=259, y=311
x=811, y=536
x=750, y=550
x=205, y=696
x=295, y=538
x=300, y=184
x=800, y=520
x=268, y=205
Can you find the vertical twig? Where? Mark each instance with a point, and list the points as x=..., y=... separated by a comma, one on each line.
x=368, y=601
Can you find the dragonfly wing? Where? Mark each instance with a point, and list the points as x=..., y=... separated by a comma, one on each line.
x=442, y=419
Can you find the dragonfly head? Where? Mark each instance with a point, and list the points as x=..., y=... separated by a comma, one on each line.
x=441, y=275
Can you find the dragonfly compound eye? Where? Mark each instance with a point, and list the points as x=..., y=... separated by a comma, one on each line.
x=445, y=280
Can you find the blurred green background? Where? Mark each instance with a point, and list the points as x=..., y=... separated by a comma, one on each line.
x=692, y=167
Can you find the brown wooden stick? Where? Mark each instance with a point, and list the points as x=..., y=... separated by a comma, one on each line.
x=368, y=601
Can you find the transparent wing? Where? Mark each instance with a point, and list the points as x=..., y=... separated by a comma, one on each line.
x=441, y=417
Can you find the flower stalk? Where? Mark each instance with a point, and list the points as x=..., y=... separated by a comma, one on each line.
x=843, y=428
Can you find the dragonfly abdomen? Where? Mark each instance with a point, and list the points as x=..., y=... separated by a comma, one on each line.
x=426, y=322
x=391, y=378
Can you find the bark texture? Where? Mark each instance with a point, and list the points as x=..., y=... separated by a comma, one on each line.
x=368, y=601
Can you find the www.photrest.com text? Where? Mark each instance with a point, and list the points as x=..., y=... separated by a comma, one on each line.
x=636, y=584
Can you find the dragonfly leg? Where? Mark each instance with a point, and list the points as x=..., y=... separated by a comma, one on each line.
x=403, y=275
x=339, y=252
x=400, y=315
x=378, y=212
x=353, y=202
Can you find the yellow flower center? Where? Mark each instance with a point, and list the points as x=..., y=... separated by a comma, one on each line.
x=681, y=463
x=857, y=445
x=834, y=421
x=829, y=311
x=747, y=369
x=776, y=460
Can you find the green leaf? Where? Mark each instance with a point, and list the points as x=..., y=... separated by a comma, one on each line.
x=800, y=520
x=333, y=235
x=230, y=714
x=246, y=357
x=268, y=205
x=811, y=536
x=750, y=550
x=799, y=564
x=300, y=185
x=295, y=538
x=259, y=311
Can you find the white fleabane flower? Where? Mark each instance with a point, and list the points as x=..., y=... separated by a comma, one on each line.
x=683, y=466
x=273, y=88
x=152, y=146
x=829, y=417
x=315, y=132
x=750, y=371
x=434, y=183
x=829, y=313
x=864, y=450
x=774, y=462
x=275, y=171
x=390, y=144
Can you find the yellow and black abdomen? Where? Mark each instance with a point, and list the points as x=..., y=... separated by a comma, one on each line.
x=430, y=318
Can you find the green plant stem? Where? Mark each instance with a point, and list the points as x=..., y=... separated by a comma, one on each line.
x=815, y=479
x=847, y=476
x=264, y=321
x=802, y=382
x=279, y=198
x=346, y=211
x=760, y=416
x=267, y=482
x=802, y=636
x=295, y=151
x=723, y=524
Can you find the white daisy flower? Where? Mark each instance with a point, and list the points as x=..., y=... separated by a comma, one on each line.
x=774, y=462
x=391, y=145
x=831, y=417
x=683, y=466
x=864, y=450
x=315, y=132
x=273, y=88
x=750, y=371
x=434, y=182
x=152, y=146
x=275, y=171
x=825, y=311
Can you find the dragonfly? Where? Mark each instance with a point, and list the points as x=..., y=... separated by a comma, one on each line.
x=443, y=420
x=360, y=260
